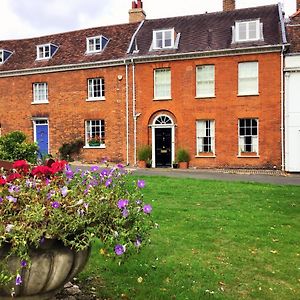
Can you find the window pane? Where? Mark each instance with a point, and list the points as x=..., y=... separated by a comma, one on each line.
x=253, y=30
x=168, y=38
x=96, y=88
x=158, y=40
x=242, y=31
x=162, y=88
x=205, y=136
x=248, y=78
x=205, y=81
x=248, y=138
x=95, y=133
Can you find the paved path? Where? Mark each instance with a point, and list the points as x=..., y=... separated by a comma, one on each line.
x=261, y=176
x=246, y=176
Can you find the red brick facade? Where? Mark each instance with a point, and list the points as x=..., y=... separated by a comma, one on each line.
x=226, y=108
x=127, y=65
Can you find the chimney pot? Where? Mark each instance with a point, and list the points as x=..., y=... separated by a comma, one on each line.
x=133, y=5
x=139, y=4
x=229, y=5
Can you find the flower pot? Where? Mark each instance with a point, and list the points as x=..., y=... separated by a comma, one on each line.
x=183, y=165
x=142, y=164
x=53, y=265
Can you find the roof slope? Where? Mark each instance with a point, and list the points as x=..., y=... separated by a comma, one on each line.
x=72, y=47
x=211, y=31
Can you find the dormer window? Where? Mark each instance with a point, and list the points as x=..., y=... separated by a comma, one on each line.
x=45, y=51
x=4, y=56
x=245, y=31
x=163, y=39
x=96, y=44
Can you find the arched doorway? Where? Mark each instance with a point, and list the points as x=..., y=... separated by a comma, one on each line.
x=163, y=141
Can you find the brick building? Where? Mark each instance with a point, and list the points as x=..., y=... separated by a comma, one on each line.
x=210, y=83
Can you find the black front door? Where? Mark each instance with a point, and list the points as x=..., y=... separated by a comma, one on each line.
x=163, y=147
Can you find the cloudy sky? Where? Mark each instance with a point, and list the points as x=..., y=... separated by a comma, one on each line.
x=30, y=18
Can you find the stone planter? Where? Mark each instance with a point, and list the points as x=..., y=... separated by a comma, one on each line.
x=52, y=266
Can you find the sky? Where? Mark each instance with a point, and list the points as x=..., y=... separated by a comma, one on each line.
x=32, y=18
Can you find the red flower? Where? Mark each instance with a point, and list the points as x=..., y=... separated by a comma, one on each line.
x=13, y=176
x=58, y=166
x=21, y=165
x=2, y=181
x=41, y=170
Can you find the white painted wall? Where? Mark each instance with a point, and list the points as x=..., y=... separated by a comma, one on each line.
x=292, y=113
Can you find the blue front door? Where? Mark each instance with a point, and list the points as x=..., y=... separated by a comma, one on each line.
x=42, y=138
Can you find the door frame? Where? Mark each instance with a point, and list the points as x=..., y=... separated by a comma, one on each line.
x=154, y=126
x=35, y=124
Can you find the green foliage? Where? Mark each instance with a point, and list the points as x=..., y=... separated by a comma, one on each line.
x=215, y=240
x=183, y=155
x=67, y=150
x=54, y=202
x=145, y=153
x=13, y=146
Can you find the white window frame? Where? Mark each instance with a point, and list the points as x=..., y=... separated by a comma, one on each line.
x=91, y=89
x=163, y=32
x=247, y=23
x=94, y=39
x=242, y=78
x=1, y=57
x=205, y=129
x=162, y=85
x=203, y=82
x=40, y=88
x=42, y=53
x=89, y=133
x=254, y=139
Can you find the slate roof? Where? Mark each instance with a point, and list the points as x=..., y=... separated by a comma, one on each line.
x=211, y=31
x=198, y=33
x=72, y=47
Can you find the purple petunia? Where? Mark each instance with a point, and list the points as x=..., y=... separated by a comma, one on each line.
x=108, y=182
x=141, y=183
x=119, y=249
x=69, y=172
x=55, y=204
x=1, y=199
x=125, y=213
x=64, y=191
x=14, y=189
x=18, y=279
x=94, y=168
x=11, y=199
x=122, y=203
x=137, y=243
x=147, y=209
x=23, y=263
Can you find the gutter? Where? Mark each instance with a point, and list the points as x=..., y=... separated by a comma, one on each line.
x=127, y=111
x=133, y=37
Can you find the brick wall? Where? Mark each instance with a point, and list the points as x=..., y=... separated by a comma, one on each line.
x=226, y=108
x=68, y=109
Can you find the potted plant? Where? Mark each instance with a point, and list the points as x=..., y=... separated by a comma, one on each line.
x=49, y=216
x=144, y=156
x=175, y=164
x=183, y=158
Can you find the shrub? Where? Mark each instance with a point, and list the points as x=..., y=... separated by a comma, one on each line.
x=145, y=153
x=13, y=146
x=67, y=150
x=183, y=155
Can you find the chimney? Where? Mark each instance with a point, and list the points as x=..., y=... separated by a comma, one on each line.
x=136, y=13
x=229, y=5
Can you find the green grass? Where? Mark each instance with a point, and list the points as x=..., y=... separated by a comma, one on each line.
x=215, y=240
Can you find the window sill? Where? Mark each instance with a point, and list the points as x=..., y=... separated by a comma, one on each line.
x=209, y=155
x=95, y=99
x=205, y=97
x=248, y=156
x=94, y=147
x=248, y=95
x=40, y=102
x=162, y=99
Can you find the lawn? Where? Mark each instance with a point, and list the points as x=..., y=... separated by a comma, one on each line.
x=215, y=240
